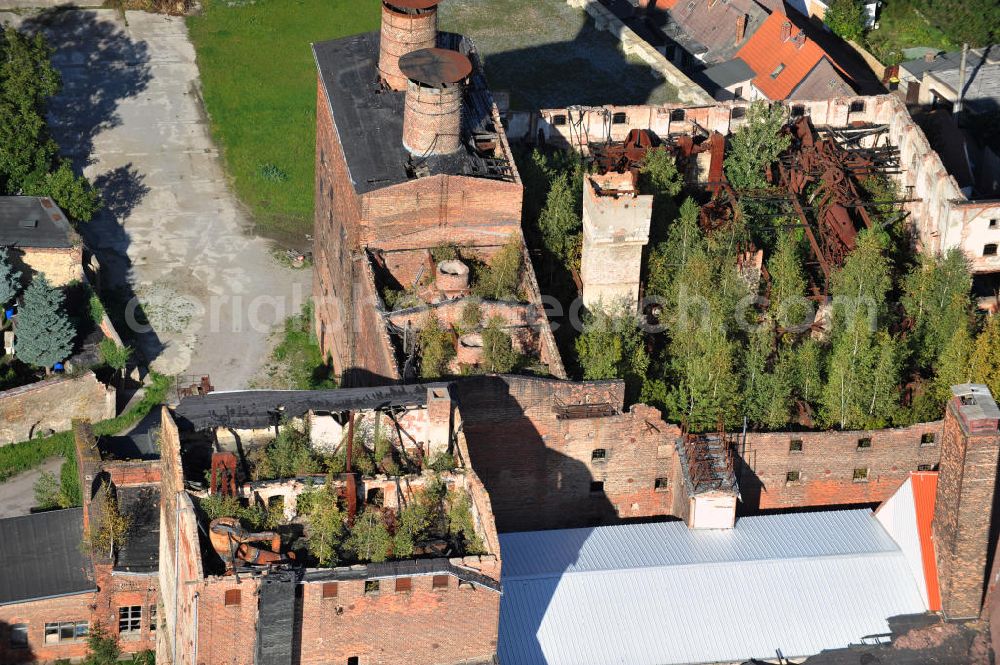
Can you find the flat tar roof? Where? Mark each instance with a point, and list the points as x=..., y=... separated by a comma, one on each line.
x=31, y=221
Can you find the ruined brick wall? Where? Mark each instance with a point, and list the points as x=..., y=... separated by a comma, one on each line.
x=539, y=469
x=422, y=626
x=36, y=614
x=124, y=474
x=227, y=634
x=59, y=265
x=963, y=531
x=52, y=404
x=826, y=464
x=180, y=558
x=119, y=590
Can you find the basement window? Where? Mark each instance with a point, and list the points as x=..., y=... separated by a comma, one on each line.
x=792, y=477
x=661, y=484
x=329, y=589
x=990, y=250
x=925, y=467
x=233, y=597
x=861, y=475
x=795, y=446
x=865, y=443
x=599, y=455
x=619, y=118
x=857, y=107
x=928, y=439
x=404, y=584
x=559, y=120
x=439, y=582
x=677, y=115
x=19, y=636
x=777, y=70
x=372, y=586
x=596, y=486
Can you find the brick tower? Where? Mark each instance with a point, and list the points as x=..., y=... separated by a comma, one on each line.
x=965, y=512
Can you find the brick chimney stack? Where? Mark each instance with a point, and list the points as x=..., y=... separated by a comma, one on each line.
x=407, y=26
x=432, y=114
x=786, y=31
x=964, y=513
x=741, y=28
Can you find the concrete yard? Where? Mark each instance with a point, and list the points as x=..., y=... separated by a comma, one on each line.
x=17, y=494
x=172, y=233
x=550, y=55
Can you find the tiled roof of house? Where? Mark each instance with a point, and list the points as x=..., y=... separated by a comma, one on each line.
x=708, y=28
x=781, y=65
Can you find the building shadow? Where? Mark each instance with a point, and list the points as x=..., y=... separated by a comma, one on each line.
x=11, y=650
x=101, y=66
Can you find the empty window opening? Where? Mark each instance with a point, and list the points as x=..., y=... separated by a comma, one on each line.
x=795, y=446
x=372, y=586
x=403, y=584
x=661, y=484
x=928, y=439
x=925, y=467
x=130, y=619
x=994, y=223
x=677, y=115
x=599, y=455
x=19, y=636
x=559, y=120
x=857, y=107
x=329, y=589
x=777, y=70
x=861, y=475
x=439, y=582
x=596, y=486
x=619, y=118
x=990, y=250
x=738, y=94
x=152, y=618
x=233, y=597
x=864, y=443
x=792, y=477
x=354, y=660
x=738, y=112
x=798, y=110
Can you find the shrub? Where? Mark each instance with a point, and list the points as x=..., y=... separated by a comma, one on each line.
x=847, y=19
x=102, y=648
x=112, y=527
x=369, y=539
x=271, y=173
x=498, y=349
x=444, y=253
x=289, y=455
x=326, y=524
x=443, y=461
x=501, y=278
x=436, y=348
x=472, y=315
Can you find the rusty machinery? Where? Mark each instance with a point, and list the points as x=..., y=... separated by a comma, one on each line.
x=222, y=476
x=628, y=155
x=235, y=545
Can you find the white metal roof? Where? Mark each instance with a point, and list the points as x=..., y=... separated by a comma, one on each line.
x=660, y=593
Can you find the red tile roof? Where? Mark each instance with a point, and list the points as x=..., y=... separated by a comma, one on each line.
x=766, y=51
x=924, y=495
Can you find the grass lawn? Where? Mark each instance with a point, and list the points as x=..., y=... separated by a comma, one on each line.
x=259, y=83
x=902, y=26
x=296, y=362
x=548, y=54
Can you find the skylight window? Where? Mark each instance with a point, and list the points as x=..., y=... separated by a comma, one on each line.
x=777, y=70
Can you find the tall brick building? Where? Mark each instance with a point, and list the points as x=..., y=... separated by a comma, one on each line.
x=410, y=155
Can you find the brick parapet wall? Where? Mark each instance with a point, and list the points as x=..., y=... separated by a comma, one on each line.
x=52, y=404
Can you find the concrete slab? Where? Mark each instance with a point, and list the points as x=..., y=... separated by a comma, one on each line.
x=173, y=235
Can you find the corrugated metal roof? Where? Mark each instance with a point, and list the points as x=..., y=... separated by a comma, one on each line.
x=42, y=557
x=661, y=593
x=907, y=516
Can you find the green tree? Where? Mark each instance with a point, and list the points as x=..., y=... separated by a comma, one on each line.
x=10, y=279
x=659, y=176
x=499, y=355
x=985, y=359
x=667, y=258
x=788, y=307
x=109, y=527
x=436, y=348
x=114, y=355
x=974, y=21
x=289, y=455
x=29, y=161
x=768, y=384
x=326, y=525
x=612, y=346
x=369, y=539
x=847, y=19
x=559, y=222
x=472, y=315
x=102, y=648
x=501, y=279
x=44, y=333
x=755, y=146
x=937, y=300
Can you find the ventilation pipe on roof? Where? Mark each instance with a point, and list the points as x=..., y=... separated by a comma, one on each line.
x=407, y=26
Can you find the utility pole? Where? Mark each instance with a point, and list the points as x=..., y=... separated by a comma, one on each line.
x=957, y=107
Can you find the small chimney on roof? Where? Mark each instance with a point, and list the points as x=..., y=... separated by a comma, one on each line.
x=786, y=31
x=741, y=27
x=407, y=26
x=930, y=56
x=432, y=115
x=799, y=39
